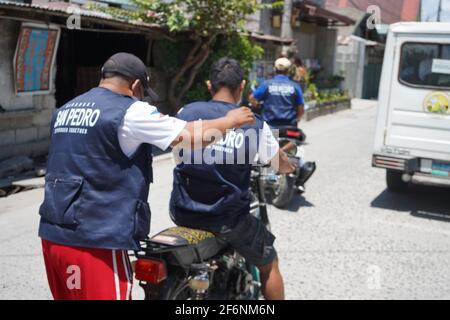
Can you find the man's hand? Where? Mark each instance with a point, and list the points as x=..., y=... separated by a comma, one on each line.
x=253, y=101
x=240, y=117
x=282, y=164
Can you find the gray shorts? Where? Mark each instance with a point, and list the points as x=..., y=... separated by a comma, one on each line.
x=251, y=239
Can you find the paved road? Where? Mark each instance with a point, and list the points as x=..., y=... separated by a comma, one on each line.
x=348, y=238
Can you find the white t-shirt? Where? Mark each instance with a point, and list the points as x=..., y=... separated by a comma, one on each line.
x=268, y=145
x=143, y=123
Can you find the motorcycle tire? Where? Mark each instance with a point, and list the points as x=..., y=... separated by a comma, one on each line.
x=285, y=192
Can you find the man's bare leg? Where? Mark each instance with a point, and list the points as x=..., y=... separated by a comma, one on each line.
x=272, y=281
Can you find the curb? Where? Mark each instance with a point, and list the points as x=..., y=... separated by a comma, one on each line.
x=326, y=109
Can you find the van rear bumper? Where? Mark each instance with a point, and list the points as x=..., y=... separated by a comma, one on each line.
x=421, y=167
x=397, y=163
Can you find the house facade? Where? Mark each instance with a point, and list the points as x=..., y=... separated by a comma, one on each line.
x=52, y=51
x=49, y=53
x=360, y=50
x=313, y=30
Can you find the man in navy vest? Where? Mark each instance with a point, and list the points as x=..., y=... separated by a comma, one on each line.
x=98, y=175
x=211, y=186
x=282, y=98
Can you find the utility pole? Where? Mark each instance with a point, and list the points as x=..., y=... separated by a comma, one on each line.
x=439, y=11
x=286, y=27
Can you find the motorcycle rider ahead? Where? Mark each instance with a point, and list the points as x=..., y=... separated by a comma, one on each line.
x=283, y=103
x=211, y=186
x=283, y=106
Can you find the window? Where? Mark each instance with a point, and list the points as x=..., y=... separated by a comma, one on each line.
x=425, y=65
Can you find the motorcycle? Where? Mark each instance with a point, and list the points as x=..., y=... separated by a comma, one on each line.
x=187, y=264
x=280, y=188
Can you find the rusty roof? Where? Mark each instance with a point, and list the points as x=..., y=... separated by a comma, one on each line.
x=311, y=12
x=58, y=12
x=270, y=38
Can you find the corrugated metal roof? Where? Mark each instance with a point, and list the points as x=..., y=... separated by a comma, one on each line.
x=317, y=14
x=67, y=9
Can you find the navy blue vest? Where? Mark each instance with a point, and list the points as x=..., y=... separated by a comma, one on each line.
x=280, y=107
x=214, y=191
x=95, y=196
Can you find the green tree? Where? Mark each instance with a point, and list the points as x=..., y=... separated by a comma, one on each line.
x=203, y=21
x=235, y=46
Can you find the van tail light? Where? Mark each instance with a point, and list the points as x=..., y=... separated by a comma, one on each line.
x=389, y=163
x=152, y=271
x=294, y=134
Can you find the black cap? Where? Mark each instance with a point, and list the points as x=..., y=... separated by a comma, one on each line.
x=132, y=67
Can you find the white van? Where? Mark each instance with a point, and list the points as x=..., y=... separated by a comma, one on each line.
x=413, y=125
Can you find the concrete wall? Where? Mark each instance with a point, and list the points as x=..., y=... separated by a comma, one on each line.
x=312, y=41
x=24, y=124
x=317, y=42
x=350, y=61
x=326, y=40
x=305, y=36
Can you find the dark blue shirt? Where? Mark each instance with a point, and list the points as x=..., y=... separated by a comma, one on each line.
x=211, y=186
x=95, y=196
x=281, y=97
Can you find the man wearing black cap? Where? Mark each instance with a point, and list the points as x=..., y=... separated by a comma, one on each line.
x=98, y=174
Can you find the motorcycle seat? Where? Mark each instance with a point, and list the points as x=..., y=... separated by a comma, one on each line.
x=188, y=245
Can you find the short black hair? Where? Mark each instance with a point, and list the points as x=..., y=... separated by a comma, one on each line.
x=226, y=72
x=109, y=75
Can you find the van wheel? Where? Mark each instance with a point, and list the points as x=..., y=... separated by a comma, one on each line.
x=395, y=182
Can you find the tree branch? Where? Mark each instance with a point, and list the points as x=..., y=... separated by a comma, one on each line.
x=194, y=71
x=189, y=61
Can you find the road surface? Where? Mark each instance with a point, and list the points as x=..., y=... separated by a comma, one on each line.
x=347, y=238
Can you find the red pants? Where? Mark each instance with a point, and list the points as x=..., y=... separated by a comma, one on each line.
x=87, y=274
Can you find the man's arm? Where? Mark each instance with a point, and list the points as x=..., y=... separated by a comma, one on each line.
x=257, y=95
x=196, y=134
x=300, y=102
x=300, y=112
x=143, y=123
x=281, y=163
x=253, y=101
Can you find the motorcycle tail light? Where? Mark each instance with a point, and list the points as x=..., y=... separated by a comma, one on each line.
x=150, y=270
x=294, y=134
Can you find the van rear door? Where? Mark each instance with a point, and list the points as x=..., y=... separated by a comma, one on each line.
x=419, y=114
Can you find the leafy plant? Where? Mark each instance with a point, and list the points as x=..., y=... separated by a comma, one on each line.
x=311, y=93
x=235, y=46
x=331, y=95
x=203, y=21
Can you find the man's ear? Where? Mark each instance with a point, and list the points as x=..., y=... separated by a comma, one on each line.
x=209, y=86
x=135, y=85
x=243, y=84
x=138, y=89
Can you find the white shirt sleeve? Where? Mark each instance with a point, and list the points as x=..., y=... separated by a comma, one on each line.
x=143, y=123
x=268, y=145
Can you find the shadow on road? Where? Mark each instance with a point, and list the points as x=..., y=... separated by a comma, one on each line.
x=420, y=201
x=297, y=202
